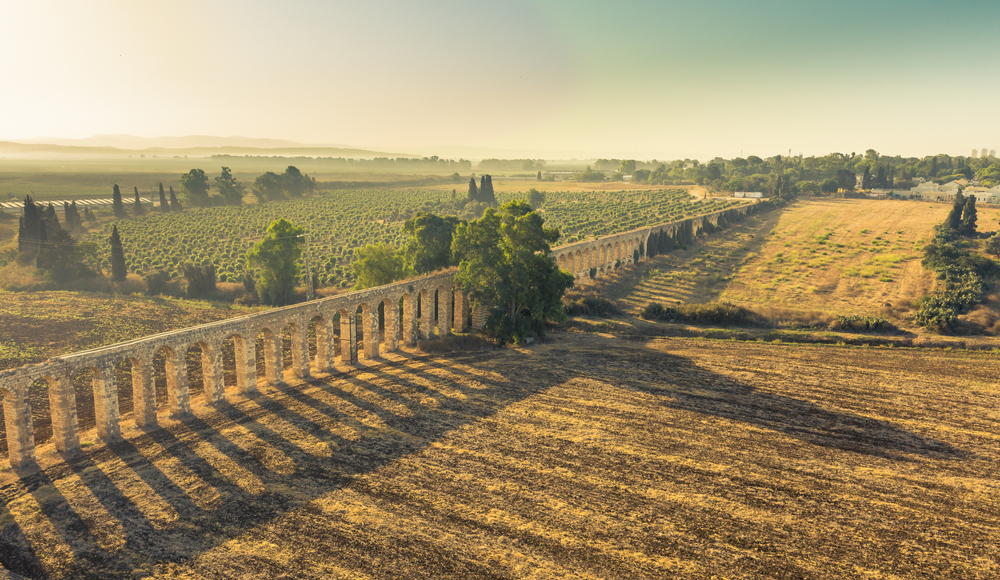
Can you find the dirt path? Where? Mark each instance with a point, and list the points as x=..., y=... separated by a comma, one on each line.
x=587, y=457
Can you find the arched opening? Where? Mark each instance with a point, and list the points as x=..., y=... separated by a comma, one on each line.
x=617, y=252
x=335, y=337
x=586, y=259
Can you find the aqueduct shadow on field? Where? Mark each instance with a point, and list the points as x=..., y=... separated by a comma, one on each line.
x=403, y=407
x=700, y=390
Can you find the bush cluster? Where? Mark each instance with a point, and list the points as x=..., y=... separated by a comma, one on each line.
x=592, y=306
x=722, y=313
x=863, y=323
x=964, y=276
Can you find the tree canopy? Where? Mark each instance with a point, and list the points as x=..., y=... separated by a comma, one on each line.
x=276, y=259
x=429, y=246
x=376, y=265
x=194, y=187
x=232, y=191
x=505, y=263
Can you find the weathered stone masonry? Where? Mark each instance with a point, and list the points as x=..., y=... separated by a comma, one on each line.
x=585, y=260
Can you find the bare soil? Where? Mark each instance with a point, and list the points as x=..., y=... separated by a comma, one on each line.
x=587, y=457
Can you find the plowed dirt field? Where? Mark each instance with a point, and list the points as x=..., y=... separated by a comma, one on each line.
x=586, y=457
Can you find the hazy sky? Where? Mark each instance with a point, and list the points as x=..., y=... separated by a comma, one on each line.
x=659, y=79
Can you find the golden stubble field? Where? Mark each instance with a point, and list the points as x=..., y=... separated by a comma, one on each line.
x=585, y=457
x=829, y=256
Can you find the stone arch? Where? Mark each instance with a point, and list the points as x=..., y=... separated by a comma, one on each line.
x=19, y=429
x=577, y=262
x=586, y=259
x=562, y=262
x=425, y=311
x=617, y=253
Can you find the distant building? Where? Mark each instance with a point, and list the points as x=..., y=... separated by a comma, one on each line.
x=748, y=194
x=975, y=153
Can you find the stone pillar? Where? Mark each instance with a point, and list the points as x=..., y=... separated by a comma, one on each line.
x=369, y=320
x=391, y=309
x=178, y=395
x=410, y=320
x=426, y=314
x=324, y=346
x=461, y=312
x=20, y=432
x=273, y=367
x=106, y=404
x=479, y=317
x=445, y=296
x=211, y=373
x=300, y=350
x=143, y=395
x=62, y=406
x=246, y=365
x=348, y=338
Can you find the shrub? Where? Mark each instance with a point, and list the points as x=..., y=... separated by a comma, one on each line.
x=156, y=282
x=722, y=313
x=592, y=306
x=856, y=322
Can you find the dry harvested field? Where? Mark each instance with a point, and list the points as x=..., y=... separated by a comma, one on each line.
x=586, y=457
x=833, y=256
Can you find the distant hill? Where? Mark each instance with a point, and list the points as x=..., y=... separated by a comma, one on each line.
x=24, y=149
x=187, y=142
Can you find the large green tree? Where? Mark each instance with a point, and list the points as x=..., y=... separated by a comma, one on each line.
x=296, y=184
x=268, y=187
x=276, y=259
x=429, y=246
x=505, y=264
x=194, y=187
x=232, y=191
x=377, y=265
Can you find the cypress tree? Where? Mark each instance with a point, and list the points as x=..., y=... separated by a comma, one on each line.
x=486, y=190
x=29, y=229
x=968, y=227
x=77, y=221
x=866, y=179
x=118, y=270
x=473, y=190
x=139, y=210
x=539, y=178
x=164, y=208
x=174, y=204
x=954, y=220
x=116, y=199
x=51, y=217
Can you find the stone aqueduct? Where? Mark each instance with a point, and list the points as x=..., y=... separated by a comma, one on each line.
x=585, y=260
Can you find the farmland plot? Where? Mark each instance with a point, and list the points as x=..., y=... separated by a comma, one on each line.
x=586, y=457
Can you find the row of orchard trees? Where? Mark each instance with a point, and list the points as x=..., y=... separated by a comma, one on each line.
x=197, y=191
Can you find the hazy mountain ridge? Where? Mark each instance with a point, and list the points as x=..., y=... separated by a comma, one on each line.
x=22, y=148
